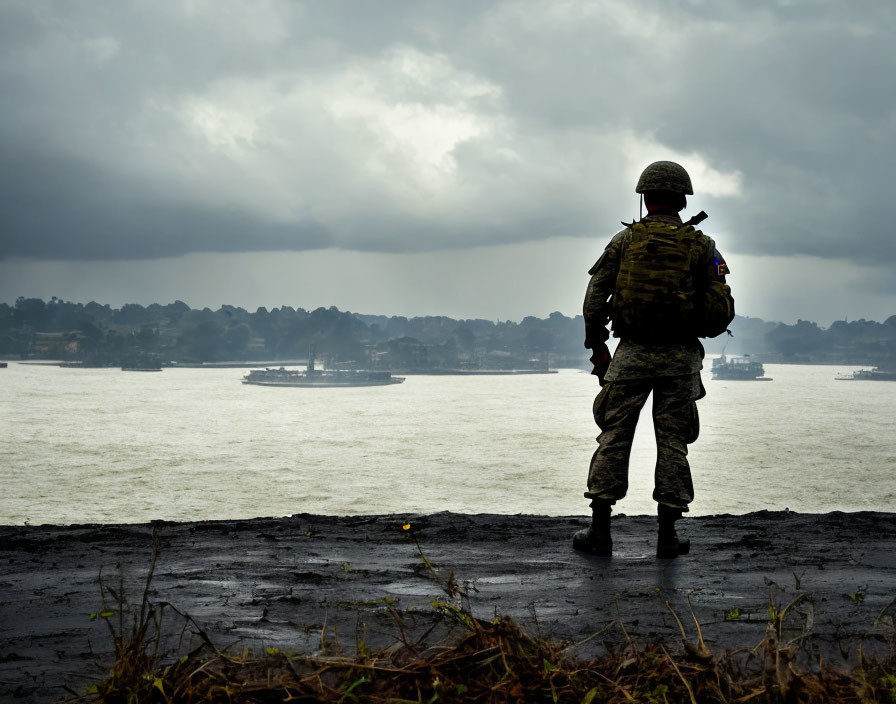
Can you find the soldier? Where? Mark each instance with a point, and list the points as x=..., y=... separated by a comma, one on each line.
x=661, y=283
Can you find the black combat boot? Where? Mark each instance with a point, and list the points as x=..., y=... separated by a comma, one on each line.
x=668, y=544
x=596, y=539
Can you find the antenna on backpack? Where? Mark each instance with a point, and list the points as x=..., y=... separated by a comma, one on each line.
x=698, y=218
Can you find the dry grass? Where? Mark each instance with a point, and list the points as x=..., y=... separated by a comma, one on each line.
x=489, y=661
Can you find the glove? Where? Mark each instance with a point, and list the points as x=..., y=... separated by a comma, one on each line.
x=600, y=358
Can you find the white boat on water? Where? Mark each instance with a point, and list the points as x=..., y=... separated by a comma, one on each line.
x=876, y=374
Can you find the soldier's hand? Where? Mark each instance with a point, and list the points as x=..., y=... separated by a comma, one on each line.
x=600, y=358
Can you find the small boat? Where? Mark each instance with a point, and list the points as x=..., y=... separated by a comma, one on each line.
x=738, y=369
x=876, y=374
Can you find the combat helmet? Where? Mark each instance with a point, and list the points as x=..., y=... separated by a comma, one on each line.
x=665, y=176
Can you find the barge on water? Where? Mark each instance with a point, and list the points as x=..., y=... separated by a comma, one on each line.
x=312, y=377
x=738, y=369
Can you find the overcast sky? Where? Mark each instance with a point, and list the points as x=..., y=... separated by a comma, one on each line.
x=460, y=158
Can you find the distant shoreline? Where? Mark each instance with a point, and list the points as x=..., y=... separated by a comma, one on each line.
x=430, y=372
x=293, y=363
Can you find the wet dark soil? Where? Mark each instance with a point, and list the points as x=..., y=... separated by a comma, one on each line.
x=306, y=582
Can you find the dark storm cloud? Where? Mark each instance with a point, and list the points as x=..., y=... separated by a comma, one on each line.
x=135, y=130
x=42, y=197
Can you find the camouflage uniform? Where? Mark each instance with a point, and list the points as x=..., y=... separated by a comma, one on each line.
x=670, y=371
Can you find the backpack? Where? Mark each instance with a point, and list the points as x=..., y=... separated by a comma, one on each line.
x=655, y=299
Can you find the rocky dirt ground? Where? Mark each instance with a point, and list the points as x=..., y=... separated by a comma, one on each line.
x=316, y=584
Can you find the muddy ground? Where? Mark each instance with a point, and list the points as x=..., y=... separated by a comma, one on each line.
x=305, y=582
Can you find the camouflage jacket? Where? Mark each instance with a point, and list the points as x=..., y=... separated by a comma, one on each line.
x=634, y=360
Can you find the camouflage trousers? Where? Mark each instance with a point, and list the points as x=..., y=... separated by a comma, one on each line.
x=676, y=424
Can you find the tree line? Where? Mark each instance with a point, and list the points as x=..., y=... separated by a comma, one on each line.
x=98, y=334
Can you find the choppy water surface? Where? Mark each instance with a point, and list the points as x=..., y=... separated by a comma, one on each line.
x=96, y=445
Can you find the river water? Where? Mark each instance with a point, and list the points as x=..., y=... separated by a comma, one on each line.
x=101, y=445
